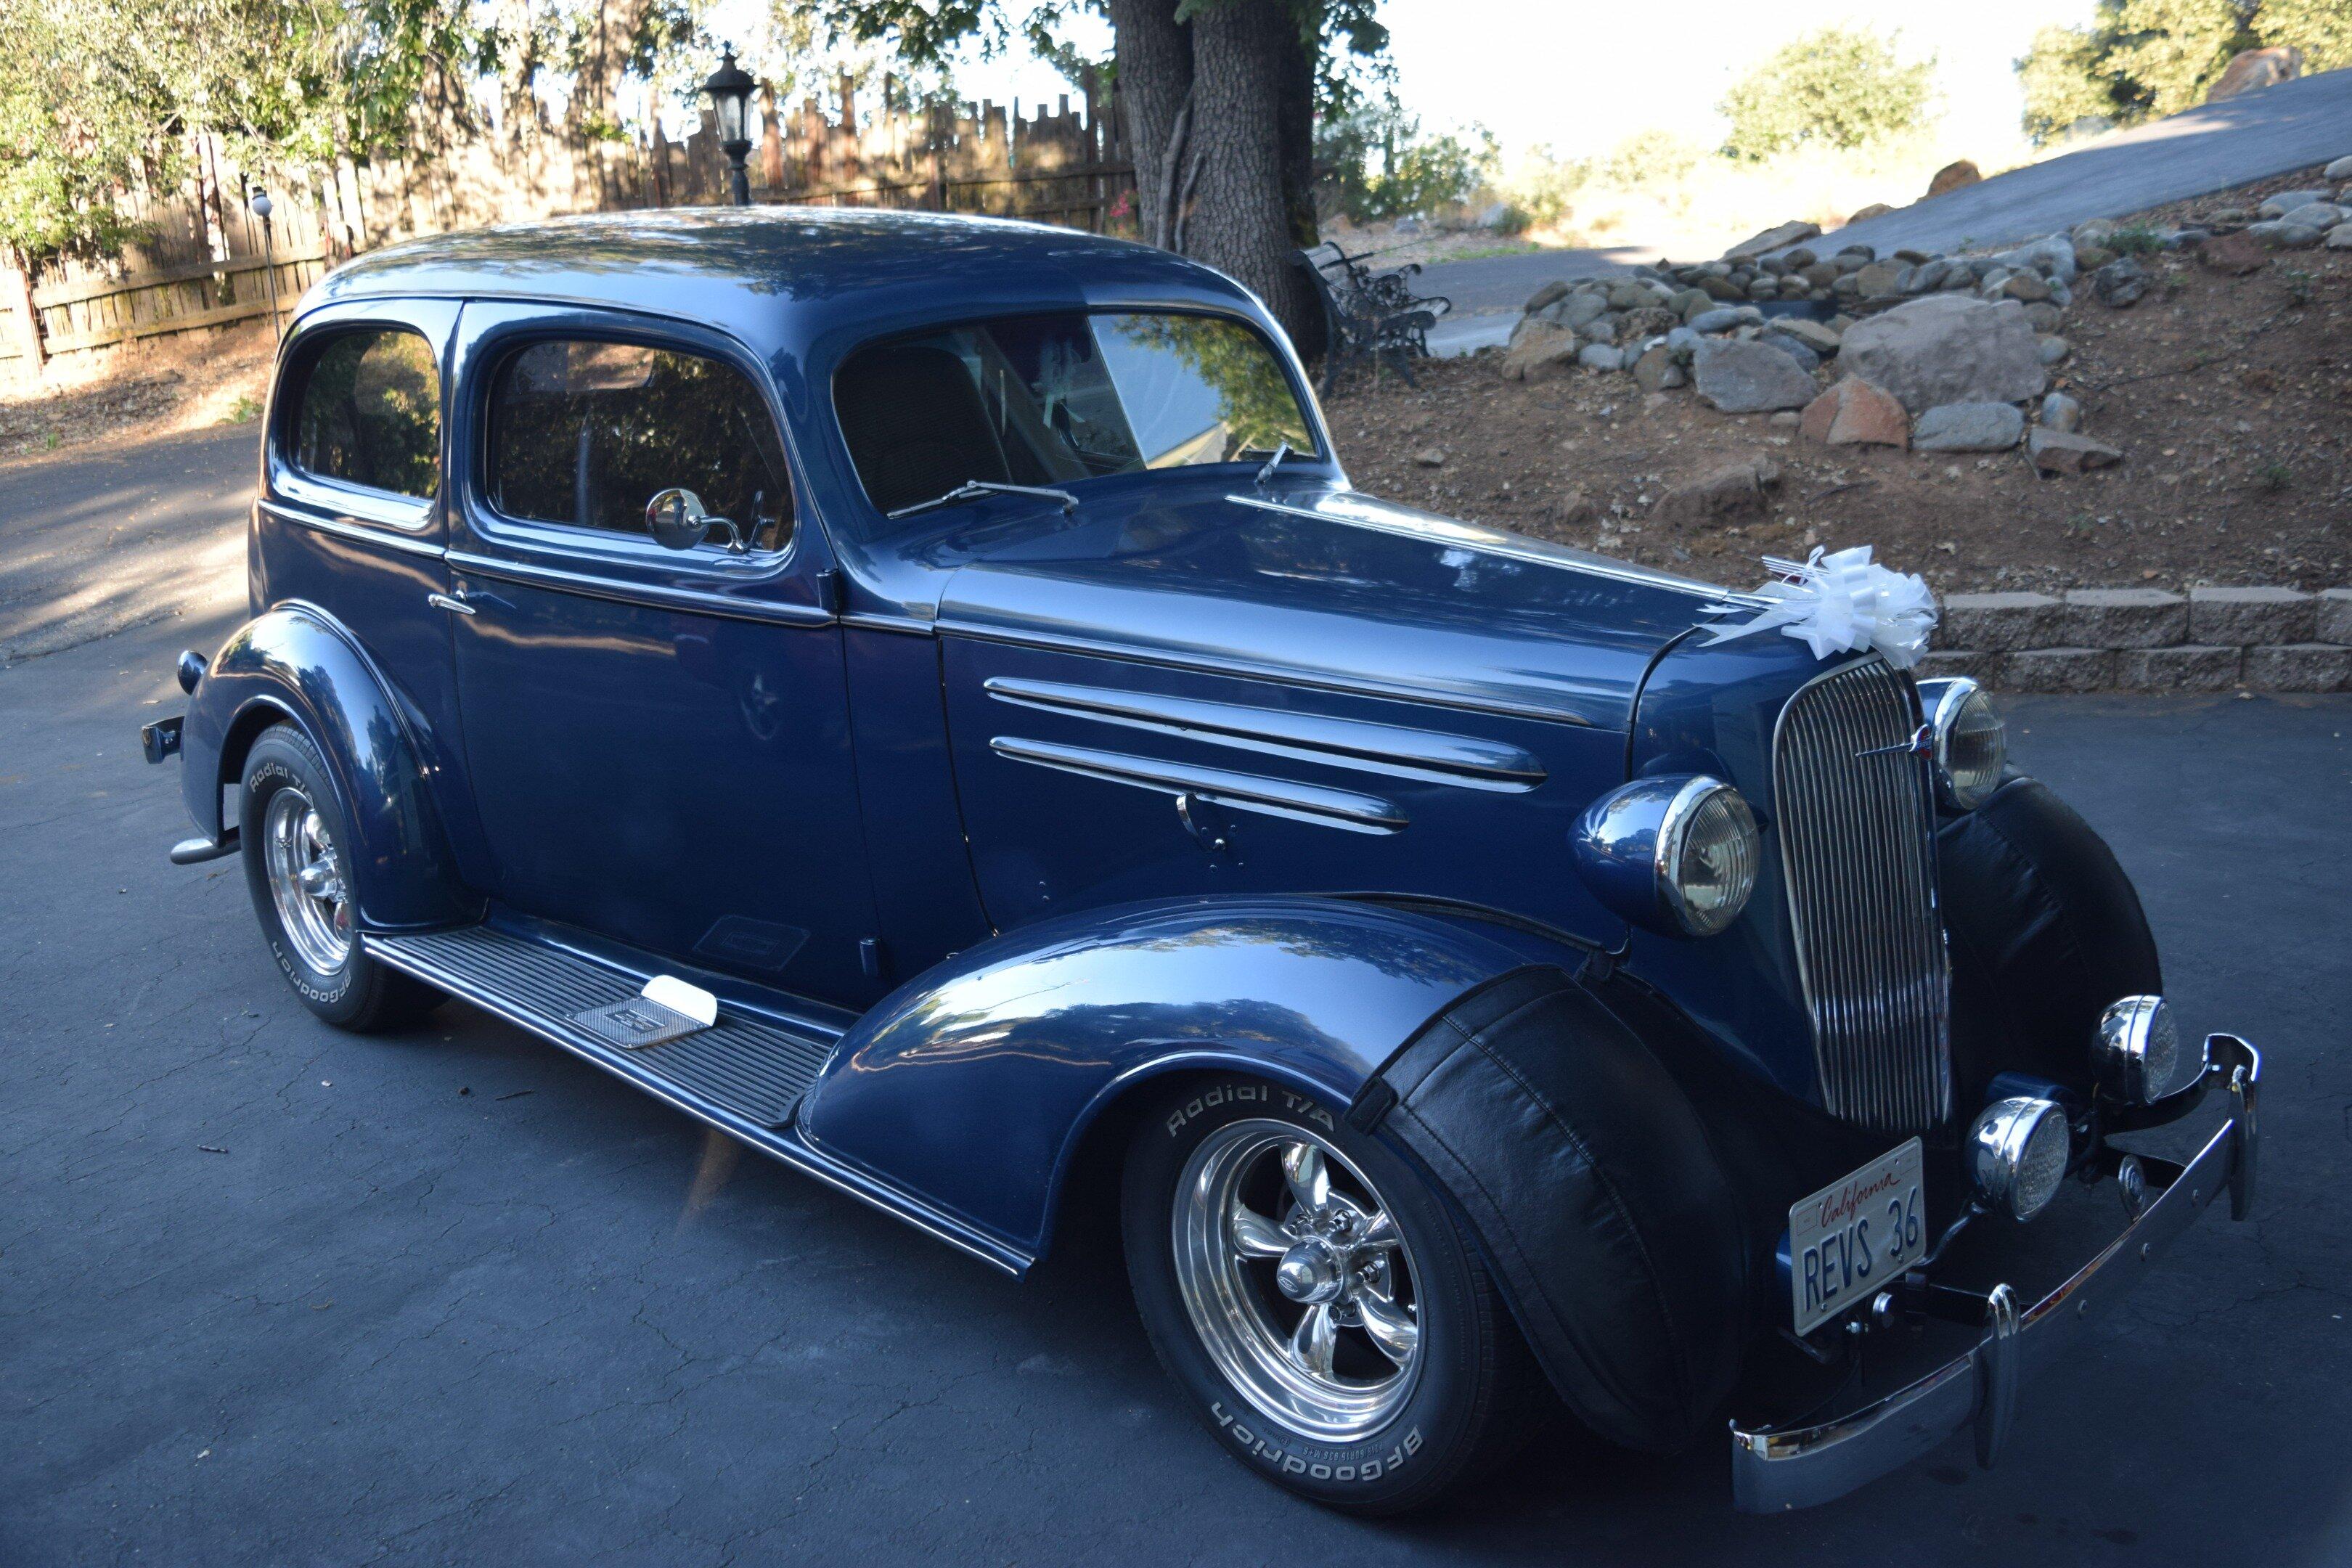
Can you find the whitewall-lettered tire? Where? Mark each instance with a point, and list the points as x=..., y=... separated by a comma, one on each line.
x=290, y=827
x=1314, y=1299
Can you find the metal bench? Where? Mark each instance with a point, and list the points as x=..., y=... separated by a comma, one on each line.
x=1368, y=316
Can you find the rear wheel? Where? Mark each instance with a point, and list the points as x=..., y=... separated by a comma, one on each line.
x=1313, y=1299
x=291, y=827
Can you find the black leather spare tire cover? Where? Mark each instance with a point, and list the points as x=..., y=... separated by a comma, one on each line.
x=1593, y=1191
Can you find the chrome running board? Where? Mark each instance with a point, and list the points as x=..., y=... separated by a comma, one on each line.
x=745, y=1075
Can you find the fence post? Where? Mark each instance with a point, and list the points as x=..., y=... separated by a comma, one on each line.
x=934, y=133
x=772, y=142
x=17, y=297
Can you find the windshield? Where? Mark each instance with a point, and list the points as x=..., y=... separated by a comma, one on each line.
x=1046, y=400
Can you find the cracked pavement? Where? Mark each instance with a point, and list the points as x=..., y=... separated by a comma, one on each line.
x=271, y=1294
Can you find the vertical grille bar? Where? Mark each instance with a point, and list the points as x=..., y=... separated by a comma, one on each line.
x=1857, y=850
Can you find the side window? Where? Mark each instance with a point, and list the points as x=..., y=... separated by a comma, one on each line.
x=585, y=433
x=370, y=412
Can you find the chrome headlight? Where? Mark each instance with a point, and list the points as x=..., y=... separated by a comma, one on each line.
x=1971, y=743
x=2017, y=1151
x=1678, y=855
x=2135, y=1053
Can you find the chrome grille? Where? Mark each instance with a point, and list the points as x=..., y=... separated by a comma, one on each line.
x=1857, y=849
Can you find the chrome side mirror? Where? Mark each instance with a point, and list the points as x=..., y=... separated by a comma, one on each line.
x=676, y=519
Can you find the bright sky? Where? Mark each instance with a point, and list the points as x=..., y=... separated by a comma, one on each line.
x=1581, y=78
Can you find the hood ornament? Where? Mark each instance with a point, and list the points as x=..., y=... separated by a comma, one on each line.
x=1836, y=603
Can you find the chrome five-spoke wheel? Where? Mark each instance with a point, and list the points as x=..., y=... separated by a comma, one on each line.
x=1296, y=1280
x=306, y=881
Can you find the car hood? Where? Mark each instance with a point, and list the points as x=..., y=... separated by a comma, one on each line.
x=1330, y=587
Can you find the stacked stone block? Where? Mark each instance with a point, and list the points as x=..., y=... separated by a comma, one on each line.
x=2146, y=639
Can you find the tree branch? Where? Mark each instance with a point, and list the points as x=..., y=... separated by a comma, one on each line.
x=1165, y=228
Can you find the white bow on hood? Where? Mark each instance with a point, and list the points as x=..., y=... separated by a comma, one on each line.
x=1835, y=604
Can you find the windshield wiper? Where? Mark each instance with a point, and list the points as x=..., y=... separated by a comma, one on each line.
x=971, y=487
x=1281, y=450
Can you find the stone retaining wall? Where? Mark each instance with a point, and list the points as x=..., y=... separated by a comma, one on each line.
x=2145, y=639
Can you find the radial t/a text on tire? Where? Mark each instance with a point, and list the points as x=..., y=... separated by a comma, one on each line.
x=1313, y=1298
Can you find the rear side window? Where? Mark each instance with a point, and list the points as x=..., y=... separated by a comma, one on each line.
x=371, y=413
x=586, y=433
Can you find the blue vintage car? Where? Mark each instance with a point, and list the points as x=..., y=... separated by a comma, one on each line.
x=920, y=696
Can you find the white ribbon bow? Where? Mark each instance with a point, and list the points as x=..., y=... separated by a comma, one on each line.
x=1839, y=603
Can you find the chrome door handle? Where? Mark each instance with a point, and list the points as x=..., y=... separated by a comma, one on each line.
x=444, y=602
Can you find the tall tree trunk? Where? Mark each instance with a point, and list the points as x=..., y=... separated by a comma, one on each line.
x=1241, y=223
x=1295, y=112
x=610, y=42
x=1155, y=86
x=1294, y=122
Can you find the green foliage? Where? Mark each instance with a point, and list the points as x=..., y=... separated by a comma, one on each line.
x=1647, y=158
x=75, y=123
x=1254, y=403
x=99, y=95
x=1376, y=163
x=2063, y=83
x=2140, y=59
x=2139, y=239
x=2172, y=50
x=1840, y=87
x=2322, y=29
x=96, y=95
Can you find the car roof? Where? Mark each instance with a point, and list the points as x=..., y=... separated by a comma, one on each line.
x=783, y=279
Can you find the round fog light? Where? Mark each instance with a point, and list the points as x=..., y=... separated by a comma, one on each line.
x=2136, y=1052
x=2017, y=1152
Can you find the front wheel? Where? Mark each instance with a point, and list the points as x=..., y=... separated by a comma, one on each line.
x=291, y=827
x=1315, y=1300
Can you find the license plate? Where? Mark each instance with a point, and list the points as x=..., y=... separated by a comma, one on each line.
x=1856, y=1237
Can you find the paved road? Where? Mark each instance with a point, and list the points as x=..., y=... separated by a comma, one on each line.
x=269, y=1294
x=98, y=540
x=2211, y=147
x=1489, y=292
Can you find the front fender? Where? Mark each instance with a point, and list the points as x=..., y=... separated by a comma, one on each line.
x=973, y=1084
x=296, y=662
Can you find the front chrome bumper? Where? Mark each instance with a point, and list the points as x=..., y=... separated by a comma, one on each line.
x=1774, y=1469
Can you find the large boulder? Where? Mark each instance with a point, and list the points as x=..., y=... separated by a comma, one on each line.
x=1658, y=371
x=1946, y=348
x=1735, y=493
x=2284, y=202
x=2120, y=283
x=1785, y=235
x=2252, y=68
x=1855, y=414
x=1751, y=378
x=1953, y=176
x=1555, y=290
x=1538, y=346
x=1970, y=428
x=1821, y=340
x=2232, y=255
x=2064, y=452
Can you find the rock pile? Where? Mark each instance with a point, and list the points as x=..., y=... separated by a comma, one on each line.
x=1949, y=353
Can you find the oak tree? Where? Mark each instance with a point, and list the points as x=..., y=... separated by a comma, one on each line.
x=1220, y=99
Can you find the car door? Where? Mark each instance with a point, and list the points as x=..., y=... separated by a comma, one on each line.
x=657, y=739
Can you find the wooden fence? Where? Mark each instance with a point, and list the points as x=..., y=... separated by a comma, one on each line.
x=203, y=262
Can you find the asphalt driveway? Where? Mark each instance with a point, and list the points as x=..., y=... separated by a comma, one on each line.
x=2209, y=148
x=271, y=1294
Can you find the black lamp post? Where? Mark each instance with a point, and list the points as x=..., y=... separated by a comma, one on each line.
x=729, y=88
